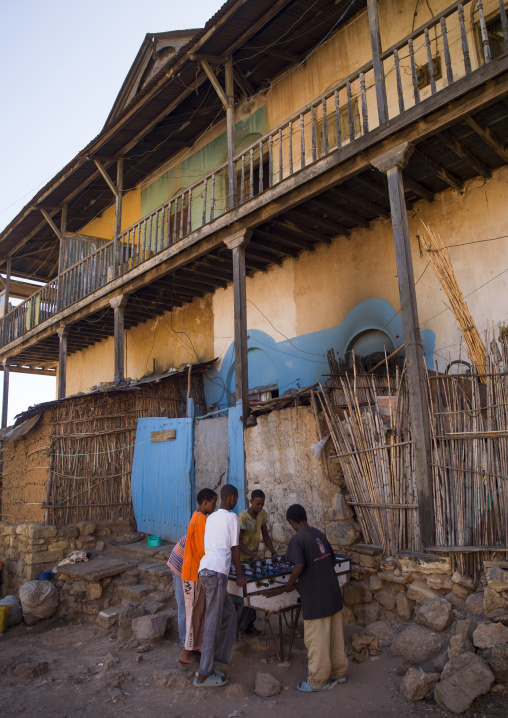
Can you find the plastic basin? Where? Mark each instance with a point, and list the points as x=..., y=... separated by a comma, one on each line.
x=154, y=541
x=44, y=576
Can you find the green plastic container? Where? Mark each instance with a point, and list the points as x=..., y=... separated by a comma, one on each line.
x=154, y=541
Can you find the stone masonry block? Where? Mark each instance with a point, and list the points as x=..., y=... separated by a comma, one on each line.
x=40, y=557
x=35, y=531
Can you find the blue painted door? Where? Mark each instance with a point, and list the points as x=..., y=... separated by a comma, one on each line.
x=162, y=483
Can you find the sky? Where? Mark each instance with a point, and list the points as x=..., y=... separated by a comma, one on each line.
x=63, y=63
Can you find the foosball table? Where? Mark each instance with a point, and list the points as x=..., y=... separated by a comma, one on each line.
x=266, y=590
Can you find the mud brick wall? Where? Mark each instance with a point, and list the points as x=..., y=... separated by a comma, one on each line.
x=25, y=476
x=280, y=461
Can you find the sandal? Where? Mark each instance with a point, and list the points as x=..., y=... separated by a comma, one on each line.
x=216, y=670
x=212, y=681
x=305, y=688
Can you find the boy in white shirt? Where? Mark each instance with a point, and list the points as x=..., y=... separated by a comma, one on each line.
x=222, y=539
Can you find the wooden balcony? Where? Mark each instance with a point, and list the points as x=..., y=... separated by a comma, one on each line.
x=305, y=182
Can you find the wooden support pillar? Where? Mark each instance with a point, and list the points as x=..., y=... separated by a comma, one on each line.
x=6, y=301
x=379, y=76
x=237, y=244
x=118, y=304
x=392, y=164
x=231, y=134
x=63, y=333
x=5, y=396
x=118, y=214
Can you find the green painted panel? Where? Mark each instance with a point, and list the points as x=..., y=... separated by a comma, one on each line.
x=201, y=163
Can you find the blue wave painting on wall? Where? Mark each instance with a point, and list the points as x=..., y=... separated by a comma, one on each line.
x=301, y=361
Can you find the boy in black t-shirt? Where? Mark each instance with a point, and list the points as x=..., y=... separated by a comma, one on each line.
x=314, y=562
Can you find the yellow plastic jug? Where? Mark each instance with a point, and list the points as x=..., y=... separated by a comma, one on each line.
x=4, y=614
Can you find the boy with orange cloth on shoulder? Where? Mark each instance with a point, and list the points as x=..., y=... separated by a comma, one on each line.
x=193, y=592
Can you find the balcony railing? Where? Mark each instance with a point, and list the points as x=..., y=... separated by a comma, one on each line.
x=433, y=57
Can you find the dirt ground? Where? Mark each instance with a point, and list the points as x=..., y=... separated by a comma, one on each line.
x=75, y=683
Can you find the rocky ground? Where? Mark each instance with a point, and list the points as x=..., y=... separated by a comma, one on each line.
x=66, y=669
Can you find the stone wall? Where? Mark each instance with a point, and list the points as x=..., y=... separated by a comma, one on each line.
x=280, y=461
x=28, y=549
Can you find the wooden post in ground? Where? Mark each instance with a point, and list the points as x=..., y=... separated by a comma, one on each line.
x=392, y=164
x=5, y=397
x=118, y=304
x=63, y=333
x=231, y=134
x=379, y=76
x=118, y=215
x=237, y=244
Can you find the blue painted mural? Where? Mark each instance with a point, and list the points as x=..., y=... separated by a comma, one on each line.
x=301, y=361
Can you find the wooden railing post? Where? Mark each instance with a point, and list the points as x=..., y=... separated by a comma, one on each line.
x=5, y=396
x=392, y=164
x=61, y=257
x=63, y=333
x=379, y=76
x=118, y=304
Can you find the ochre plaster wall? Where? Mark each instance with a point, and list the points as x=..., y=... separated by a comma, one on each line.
x=158, y=344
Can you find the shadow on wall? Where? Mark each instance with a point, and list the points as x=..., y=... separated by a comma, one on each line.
x=301, y=361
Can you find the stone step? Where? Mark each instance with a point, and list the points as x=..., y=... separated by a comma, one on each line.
x=158, y=575
x=135, y=594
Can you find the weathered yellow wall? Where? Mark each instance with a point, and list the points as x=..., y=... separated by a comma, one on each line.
x=157, y=344
x=104, y=225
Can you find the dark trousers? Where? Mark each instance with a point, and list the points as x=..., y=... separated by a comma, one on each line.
x=220, y=621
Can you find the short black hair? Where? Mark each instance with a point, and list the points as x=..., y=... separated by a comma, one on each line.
x=258, y=494
x=296, y=513
x=205, y=495
x=227, y=491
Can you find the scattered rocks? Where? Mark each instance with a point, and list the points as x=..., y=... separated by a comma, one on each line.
x=375, y=583
x=418, y=644
x=127, y=614
x=497, y=578
x=149, y=628
x=492, y=600
x=466, y=628
x=419, y=591
x=456, y=602
x=435, y=614
x=461, y=591
x=463, y=679
x=30, y=669
x=440, y=662
x=384, y=631
x=458, y=645
x=386, y=599
x=465, y=581
x=266, y=685
x=236, y=690
x=440, y=581
x=497, y=658
x=354, y=593
x=366, y=613
x=417, y=685
x=490, y=634
x=172, y=678
x=474, y=604
x=109, y=662
x=404, y=606
x=144, y=649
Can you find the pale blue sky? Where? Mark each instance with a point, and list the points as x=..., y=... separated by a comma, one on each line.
x=63, y=63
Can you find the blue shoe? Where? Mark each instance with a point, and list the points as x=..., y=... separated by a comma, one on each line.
x=338, y=680
x=305, y=688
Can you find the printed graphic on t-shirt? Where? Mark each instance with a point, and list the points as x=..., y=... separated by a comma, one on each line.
x=321, y=549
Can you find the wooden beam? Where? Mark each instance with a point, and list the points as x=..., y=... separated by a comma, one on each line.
x=237, y=244
x=112, y=186
x=441, y=171
x=215, y=83
x=461, y=150
x=488, y=136
x=285, y=239
x=63, y=333
x=5, y=395
x=417, y=188
x=392, y=163
x=343, y=193
x=49, y=220
x=308, y=217
x=379, y=75
x=340, y=211
x=13, y=369
x=243, y=82
x=297, y=229
x=279, y=251
x=118, y=304
x=276, y=51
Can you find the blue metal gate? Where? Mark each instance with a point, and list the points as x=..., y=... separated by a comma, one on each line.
x=162, y=483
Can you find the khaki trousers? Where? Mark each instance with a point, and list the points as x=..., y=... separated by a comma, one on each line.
x=324, y=641
x=195, y=608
